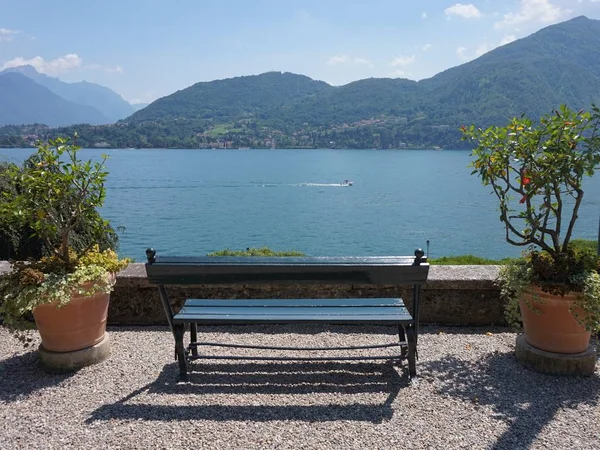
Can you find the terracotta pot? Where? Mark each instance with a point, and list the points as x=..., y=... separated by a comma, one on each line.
x=555, y=329
x=78, y=325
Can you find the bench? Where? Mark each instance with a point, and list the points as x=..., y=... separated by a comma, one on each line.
x=383, y=270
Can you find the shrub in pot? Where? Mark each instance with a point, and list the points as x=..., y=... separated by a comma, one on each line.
x=536, y=171
x=68, y=288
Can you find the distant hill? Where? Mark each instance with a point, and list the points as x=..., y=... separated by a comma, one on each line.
x=232, y=98
x=110, y=104
x=23, y=101
x=559, y=64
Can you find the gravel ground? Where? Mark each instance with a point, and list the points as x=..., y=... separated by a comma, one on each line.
x=471, y=394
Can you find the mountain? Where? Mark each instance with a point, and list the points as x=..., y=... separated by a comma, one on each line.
x=106, y=101
x=23, y=101
x=559, y=64
x=235, y=97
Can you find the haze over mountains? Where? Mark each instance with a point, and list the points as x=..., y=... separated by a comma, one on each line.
x=534, y=75
x=55, y=103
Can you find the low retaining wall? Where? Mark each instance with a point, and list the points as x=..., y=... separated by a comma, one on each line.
x=453, y=295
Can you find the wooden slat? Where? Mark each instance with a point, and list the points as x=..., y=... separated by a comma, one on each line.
x=292, y=303
x=297, y=311
x=286, y=260
x=292, y=312
x=295, y=270
x=285, y=319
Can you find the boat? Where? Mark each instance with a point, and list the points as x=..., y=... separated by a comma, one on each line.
x=347, y=183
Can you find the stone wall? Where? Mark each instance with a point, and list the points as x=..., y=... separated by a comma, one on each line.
x=453, y=295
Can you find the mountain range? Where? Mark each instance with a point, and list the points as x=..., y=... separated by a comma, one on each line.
x=27, y=96
x=559, y=64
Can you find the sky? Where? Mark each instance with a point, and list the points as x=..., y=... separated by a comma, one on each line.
x=146, y=49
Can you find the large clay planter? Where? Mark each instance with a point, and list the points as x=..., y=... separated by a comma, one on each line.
x=555, y=329
x=79, y=324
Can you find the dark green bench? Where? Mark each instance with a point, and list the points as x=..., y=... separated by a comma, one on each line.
x=383, y=270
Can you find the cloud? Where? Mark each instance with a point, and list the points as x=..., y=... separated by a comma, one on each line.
x=426, y=47
x=425, y=16
x=7, y=35
x=342, y=59
x=508, y=38
x=345, y=59
x=107, y=69
x=398, y=74
x=483, y=48
x=403, y=60
x=467, y=11
x=62, y=64
x=533, y=11
x=461, y=52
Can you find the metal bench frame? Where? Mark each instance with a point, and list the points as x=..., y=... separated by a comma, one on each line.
x=384, y=270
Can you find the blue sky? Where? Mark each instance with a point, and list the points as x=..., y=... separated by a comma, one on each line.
x=146, y=49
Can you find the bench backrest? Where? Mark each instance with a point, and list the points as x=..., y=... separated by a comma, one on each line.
x=287, y=270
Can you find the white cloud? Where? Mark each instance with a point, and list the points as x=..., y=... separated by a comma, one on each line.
x=468, y=11
x=426, y=47
x=398, y=74
x=6, y=35
x=342, y=59
x=533, y=11
x=425, y=16
x=62, y=64
x=403, y=60
x=116, y=69
x=107, y=69
x=483, y=48
x=345, y=59
x=466, y=55
x=364, y=61
x=461, y=52
x=508, y=38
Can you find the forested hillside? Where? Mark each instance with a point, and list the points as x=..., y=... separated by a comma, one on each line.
x=534, y=75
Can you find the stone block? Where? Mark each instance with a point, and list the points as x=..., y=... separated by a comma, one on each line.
x=65, y=362
x=550, y=363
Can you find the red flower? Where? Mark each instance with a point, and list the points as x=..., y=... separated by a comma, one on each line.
x=526, y=180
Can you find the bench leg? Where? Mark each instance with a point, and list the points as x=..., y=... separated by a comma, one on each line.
x=412, y=352
x=180, y=351
x=194, y=337
x=402, y=336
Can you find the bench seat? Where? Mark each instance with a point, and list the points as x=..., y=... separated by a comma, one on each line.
x=278, y=311
x=318, y=270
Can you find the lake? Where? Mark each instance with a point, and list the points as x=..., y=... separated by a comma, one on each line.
x=190, y=202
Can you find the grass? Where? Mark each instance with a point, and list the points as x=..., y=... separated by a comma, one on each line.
x=263, y=251
x=464, y=260
x=461, y=260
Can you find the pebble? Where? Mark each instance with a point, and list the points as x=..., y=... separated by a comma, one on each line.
x=472, y=394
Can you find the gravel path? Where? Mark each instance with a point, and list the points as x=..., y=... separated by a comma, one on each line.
x=471, y=394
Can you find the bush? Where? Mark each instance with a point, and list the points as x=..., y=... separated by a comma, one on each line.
x=263, y=251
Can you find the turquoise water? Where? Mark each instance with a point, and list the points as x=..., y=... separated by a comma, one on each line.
x=190, y=202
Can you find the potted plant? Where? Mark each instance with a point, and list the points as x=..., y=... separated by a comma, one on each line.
x=536, y=172
x=67, y=289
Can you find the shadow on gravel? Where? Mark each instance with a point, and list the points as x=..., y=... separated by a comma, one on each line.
x=21, y=375
x=527, y=401
x=266, y=379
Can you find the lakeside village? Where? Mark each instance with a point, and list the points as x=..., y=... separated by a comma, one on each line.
x=375, y=133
